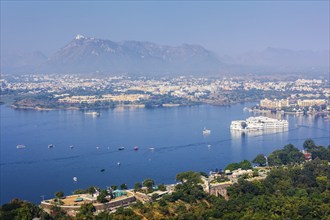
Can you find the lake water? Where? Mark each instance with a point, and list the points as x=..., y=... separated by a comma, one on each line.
x=175, y=133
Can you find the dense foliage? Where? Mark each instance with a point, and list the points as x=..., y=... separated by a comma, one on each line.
x=18, y=209
x=288, y=155
x=244, y=165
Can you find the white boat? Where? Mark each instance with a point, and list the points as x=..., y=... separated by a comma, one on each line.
x=94, y=114
x=71, y=146
x=118, y=163
x=151, y=148
x=206, y=131
x=20, y=146
x=75, y=179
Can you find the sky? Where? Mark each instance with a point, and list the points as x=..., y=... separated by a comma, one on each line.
x=225, y=27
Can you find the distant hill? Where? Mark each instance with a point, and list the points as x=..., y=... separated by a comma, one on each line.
x=21, y=62
x=86, y=55
x=92, y=55
x=280, y=60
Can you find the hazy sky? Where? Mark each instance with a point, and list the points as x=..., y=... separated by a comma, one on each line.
x=226, y=27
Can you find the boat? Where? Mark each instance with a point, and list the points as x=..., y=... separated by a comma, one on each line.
x=102, y=170
x=136, y=148
x=151, y=148
x=20, y=146
x=121, y=148
x=97, y=148
x=75, y=179
x=71, y=146
x=206, y=131
x=51, y=146
x=209, y=145
x=118, y=163
x=94, y=114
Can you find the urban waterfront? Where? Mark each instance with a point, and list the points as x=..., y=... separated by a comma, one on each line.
x=174, y=133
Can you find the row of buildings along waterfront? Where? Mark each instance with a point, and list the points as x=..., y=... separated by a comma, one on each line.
x=278, y=104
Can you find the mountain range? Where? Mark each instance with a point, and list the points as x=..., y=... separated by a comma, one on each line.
x=91, y=55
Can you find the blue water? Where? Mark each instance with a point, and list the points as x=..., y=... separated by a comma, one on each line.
x=175, y=133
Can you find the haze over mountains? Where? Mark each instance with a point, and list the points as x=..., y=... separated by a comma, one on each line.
x=91, y=55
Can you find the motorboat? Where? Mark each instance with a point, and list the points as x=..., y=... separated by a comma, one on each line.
x=51, y=146
x=20, y=146
x=206, y=131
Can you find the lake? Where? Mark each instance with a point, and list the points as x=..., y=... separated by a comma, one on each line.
x=174, y=133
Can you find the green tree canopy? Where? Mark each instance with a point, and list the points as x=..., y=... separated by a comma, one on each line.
x=309, y=144
x=244, y=165
x=149, y=183
x=91, y=190
x=288, y=155
x=123, y=186
x=137, y=186
x=86, y=211
x=102, y=196
x=59, y=194
x=189, y=177
x=260, y=159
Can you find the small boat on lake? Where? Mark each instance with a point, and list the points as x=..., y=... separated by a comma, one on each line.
x=136, y=148
x=20, y=146
x=75, y=179
x=93, y=114
x=51, y=146
x=71, y=146
x=121, y=148
x=102, y=170
x=118, y=163
x=206, y=131
x=151, y=148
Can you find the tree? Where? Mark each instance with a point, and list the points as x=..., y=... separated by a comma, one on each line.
x=91, y=190
x=113, y=187
x=24, y=212
x=189, y=177
x=86, y=211
x=149, y=183
x=59, y=195
x=79, y=191
x=309, y=144
x=245, y=165
x=102, y=196
x=123, y=186
x=162, y=202
x=162, y=187
x=260, y=159
x=137, y=186
x=154, y=196
x=57, y=213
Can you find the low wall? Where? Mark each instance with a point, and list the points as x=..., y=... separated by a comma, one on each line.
x=99, y=207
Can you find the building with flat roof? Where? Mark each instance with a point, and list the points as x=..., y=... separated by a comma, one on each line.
x=274, y=104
